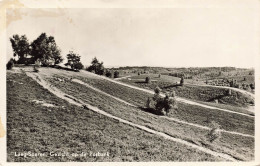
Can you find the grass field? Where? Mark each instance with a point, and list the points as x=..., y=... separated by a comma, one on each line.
x=241, y=148
x=198, y=93
x=68, y=128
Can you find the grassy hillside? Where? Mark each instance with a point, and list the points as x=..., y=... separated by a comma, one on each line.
x=240, y=147
x=40, y=122
x=200, y=93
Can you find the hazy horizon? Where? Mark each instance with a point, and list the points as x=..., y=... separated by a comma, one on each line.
x=172, y=37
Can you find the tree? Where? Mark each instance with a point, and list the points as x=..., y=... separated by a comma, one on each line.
x=96, y=67
x=46, y=50
x=116, y=74
x=20, y=47
x=74, y=61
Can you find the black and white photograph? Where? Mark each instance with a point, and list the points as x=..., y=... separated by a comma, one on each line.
x=130, y=84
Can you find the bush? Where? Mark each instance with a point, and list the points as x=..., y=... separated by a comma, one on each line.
x=78, y=66
x=116, y=74
x=252, y=86
x=182, y=81
x=108, y=74
x=160, y=104
x=214, y=132
x=10, y=64
x=148, y=80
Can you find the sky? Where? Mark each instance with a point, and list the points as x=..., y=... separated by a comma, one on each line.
x=167, y=37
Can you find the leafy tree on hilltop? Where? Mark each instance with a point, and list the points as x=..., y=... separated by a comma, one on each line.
x=46, y=50
x=20, y=47
x=96, y=67
x=74, y=61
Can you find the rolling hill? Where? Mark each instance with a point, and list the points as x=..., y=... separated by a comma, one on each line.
x=66, y=111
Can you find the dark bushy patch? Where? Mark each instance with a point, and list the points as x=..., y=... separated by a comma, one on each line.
x=161, y=105
x=10, y=64
x=108, y=74
x=116, y=74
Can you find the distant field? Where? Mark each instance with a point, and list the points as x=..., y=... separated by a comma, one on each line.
x=230, y=144
x=68, y=128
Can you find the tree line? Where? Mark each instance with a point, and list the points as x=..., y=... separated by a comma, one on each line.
x=44, y=51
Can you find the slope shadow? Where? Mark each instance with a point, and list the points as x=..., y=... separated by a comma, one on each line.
x=151, y=110
x=140, y=82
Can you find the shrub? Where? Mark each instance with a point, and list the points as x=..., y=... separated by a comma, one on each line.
x=108, y=74
x=252, y=86
x=78, y=66
x=148, y=80
x=116, y=74
x=157, y=90
x=160, y=104
x=182, y=81
x=214, y=133
x=10, y=64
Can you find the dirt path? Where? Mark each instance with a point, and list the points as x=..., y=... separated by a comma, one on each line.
x=122, y=77
x=171, y=119
x=77, y=102
x=178, y=98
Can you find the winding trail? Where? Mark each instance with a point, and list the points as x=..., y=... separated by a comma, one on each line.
x=177, y=98
x=122, y=78
x=165, y=117
x=80, y=103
